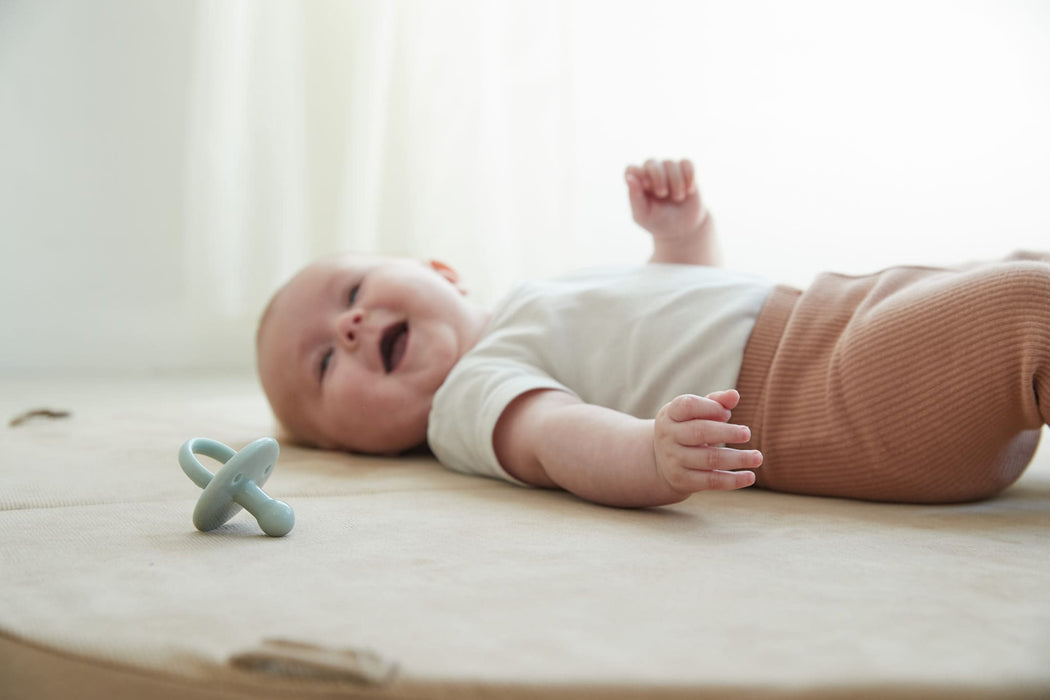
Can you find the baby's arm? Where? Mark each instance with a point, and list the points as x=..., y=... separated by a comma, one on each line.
x=666, y=202
x=552, y=439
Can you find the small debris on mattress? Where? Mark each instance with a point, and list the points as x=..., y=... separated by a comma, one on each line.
x=290, y=659
x=37, y=413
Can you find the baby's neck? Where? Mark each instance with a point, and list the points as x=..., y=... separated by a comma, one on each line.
x=478, y=322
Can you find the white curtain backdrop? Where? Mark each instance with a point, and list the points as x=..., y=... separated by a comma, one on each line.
x=164, y=165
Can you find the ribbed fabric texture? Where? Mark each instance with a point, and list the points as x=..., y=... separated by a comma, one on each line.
x=915, y=385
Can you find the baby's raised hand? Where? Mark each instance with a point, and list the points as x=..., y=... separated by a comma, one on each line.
x=687, y=435
x=665, y=200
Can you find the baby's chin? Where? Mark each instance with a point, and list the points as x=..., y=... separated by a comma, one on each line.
x=383, y=448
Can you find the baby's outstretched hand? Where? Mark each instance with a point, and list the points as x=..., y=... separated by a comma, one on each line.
x=687, y=435
x=664, y=198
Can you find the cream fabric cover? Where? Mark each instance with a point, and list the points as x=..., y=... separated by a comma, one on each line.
x=402, y=579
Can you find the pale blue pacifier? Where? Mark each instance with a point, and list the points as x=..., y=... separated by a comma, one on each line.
x=237, y=485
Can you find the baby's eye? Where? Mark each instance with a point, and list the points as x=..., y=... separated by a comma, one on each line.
x=324, y=363
x=353, y=293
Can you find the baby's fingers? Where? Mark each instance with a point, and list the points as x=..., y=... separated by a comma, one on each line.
x=633, y=172
x=675, y=180
x=689, y=176
x=729, y=399
x=636, y=192
x=689, y=407
x=699, y=433
x=694, y=480
x=654, y=169
x=711, y=459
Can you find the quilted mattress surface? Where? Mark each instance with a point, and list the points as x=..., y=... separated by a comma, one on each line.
x=402, y=579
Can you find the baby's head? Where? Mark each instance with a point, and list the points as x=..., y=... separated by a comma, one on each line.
x=352, y=349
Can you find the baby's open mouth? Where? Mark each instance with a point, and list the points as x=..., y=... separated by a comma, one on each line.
x=392, y=345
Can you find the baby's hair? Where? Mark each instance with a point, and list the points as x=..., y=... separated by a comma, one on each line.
x=265, y=315
x=286, y=432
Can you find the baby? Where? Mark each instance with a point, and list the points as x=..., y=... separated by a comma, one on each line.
x=630, y=386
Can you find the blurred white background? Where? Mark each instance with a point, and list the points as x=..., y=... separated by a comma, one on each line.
x=164, y=165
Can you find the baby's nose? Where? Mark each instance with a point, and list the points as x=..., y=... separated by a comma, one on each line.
x=348, y=326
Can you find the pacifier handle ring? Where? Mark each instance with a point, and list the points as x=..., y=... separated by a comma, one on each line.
x=209, y=448
x=237, y=485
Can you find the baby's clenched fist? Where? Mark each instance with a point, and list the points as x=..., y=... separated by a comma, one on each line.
x=664, y=198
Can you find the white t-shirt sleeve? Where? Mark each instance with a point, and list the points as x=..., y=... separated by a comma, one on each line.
x=469, y=404
x=628, y=339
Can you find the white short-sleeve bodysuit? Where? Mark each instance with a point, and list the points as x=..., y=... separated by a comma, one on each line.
x=630, y=339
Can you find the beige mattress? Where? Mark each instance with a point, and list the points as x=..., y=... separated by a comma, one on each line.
x=404, y=580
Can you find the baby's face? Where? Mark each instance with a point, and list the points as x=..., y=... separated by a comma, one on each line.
x=352, y=350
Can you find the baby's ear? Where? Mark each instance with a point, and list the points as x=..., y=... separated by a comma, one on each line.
x=448, y=273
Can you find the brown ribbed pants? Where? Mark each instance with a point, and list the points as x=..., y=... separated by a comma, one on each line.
x=915, y=385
